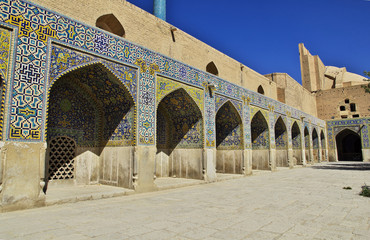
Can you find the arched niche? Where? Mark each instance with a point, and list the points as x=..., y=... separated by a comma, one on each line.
x=349, y=146
x=110, y=23
x=281, y=143
x=211, y=68
x=296, y=144
x=91, y=106
x=229, y=139
x=179, y=136
x=260, y=90
x=260, y=142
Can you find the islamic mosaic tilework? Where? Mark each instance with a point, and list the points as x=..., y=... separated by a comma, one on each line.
x=91, y=106
x=260, y=132
x=356, y=125
x=165, y=86
x=315, y=139
x=247, y=127
x=306, y=137
x=210, y=119
x=323, y=140
x=229, y=128
x=39, y=28
x=5, y=42
x=296, y=136
x=184, y=128
x=220, y=101
x=63, y=60
x=281, y=135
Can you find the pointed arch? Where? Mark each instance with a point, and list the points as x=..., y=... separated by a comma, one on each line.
x=315, y=139
x=260, y=132
x=296, y=144
x=186, y=92
x=281, y=136
x=349, y=146
x=306, y=134
x=110, y=23
x=322, y=138
x=211, y=68
x=260, y=90
x=183, y=126
x=95, y=84
x=296, y=136
x=229, y=128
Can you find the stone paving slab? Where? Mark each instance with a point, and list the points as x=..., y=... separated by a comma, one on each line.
x=302, y=203
x=74, y=193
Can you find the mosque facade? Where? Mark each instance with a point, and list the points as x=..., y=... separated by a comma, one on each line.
x=102, y=92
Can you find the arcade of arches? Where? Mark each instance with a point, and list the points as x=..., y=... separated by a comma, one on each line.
x=82, y=105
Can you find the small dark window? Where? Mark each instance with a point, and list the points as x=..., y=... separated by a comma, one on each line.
x=343, y=116
x=356, y=116
x=111, y=24
x=260, y=90
x=211, y=68
x=353, y=107
x=346, y=101
x=342, y=108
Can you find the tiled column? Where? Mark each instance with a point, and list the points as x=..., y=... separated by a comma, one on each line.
x=272, y=152
x=290, y=143
x=247, y=153
x=303, y=144
x=310, y=155
x=319, y=156
x=209, y=153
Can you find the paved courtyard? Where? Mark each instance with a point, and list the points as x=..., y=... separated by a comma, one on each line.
x=302, y=203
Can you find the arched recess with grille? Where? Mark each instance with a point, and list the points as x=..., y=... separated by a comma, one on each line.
x=91, y=106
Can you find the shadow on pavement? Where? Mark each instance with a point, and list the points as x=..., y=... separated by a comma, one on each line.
x=361, y=166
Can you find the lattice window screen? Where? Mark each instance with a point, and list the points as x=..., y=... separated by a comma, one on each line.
x=61, y=158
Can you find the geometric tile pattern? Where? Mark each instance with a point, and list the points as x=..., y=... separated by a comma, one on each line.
x=296, y=136
x=281, y=134
x=5, y=40
x=229, y=128
x=61, y=158
x=183, y=120
x=315, y=139
x=260, y=132
x=92, y=106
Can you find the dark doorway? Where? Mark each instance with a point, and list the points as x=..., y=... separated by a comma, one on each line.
x=349, y=146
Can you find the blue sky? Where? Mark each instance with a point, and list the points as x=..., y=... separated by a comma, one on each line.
x=264, y=34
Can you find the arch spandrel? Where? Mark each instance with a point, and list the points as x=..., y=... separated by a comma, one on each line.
x=92, y=89
x=264, y=112
x=221, y=100
x=165, y=86
x=65, y=60
x=184, y=125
